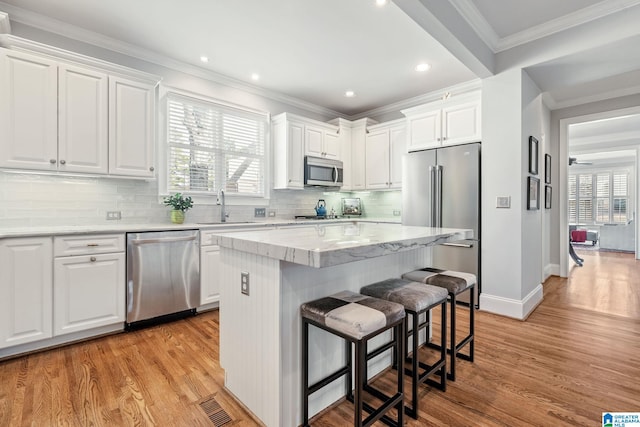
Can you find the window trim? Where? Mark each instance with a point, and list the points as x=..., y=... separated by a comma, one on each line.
x=199, y=197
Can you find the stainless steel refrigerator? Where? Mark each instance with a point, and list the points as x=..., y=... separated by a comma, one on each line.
x=441, y=188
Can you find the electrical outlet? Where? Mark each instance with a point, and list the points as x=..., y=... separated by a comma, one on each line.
x=111, y=215
x=244, y=282
x=396, y=213
x=272, y=213
x=259, y=212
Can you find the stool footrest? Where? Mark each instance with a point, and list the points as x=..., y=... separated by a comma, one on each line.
x=329, y=379
x=379, y=414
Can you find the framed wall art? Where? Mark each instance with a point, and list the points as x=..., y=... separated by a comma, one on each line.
x=533, y=155
x=533, y=193
x=547, y=197
x=547, y=169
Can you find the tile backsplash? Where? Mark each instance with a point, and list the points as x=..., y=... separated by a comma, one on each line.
x=42, y=200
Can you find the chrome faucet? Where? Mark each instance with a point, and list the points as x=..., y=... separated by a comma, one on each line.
x=220, y=201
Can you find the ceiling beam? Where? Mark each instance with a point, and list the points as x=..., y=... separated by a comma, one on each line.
x=444, y=23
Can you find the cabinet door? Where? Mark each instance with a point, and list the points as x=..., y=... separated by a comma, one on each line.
x=209, y=271
x=295, y=155
x=397, y=149
x=89, y=291
x=461, y=124
x=358, y=159
x=424, y=130
x=25, y=290
x=313, y=141
x=331, y=145
x=82, y=120
x=377, y=159
x=131, y=129
x=28, y=111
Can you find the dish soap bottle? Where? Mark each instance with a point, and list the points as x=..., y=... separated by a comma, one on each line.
x=332, y=214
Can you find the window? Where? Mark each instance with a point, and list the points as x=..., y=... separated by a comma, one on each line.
x=212, y=146
x=601, y=197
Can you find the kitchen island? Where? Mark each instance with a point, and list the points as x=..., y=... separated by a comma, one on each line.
x=260, y=332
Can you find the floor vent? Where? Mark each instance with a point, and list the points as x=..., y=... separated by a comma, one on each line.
x=214, y=411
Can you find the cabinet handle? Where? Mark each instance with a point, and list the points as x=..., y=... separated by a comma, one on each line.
x=92, y=259
x=152, y=169
x=52, y=161
x=92, y=245
x=62, y=162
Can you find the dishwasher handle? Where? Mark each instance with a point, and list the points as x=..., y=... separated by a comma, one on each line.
x=163, y=240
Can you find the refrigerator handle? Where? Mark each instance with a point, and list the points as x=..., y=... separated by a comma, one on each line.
x=433, y=200
x=439, y=197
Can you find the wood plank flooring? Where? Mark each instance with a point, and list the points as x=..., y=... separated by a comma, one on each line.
x=576, y=356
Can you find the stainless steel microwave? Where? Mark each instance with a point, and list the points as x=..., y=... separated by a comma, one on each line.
x=322, y=172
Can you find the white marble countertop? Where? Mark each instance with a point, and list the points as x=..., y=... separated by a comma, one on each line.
x=324, y=245
x=119, y=227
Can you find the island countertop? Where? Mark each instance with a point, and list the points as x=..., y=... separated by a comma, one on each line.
x=325, y=245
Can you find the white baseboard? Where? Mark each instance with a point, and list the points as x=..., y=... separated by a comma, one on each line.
x=551, y=270
x=518, y=309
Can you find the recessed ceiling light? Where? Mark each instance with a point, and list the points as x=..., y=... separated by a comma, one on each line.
x=423, y=67
x=381, y=3
x=204, y=59
x=349, y=94
x=255, y=76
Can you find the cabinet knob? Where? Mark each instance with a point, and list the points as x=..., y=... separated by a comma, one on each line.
x=52, y=161
x=444, y=138
x=62, y=162
x=152, y=168
x=92, y=259
x=438, y=139
x=289, y=180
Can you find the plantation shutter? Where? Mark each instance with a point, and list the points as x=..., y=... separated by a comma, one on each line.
x=620, y=197
x=585, y=201
x=572, y=199
x=213, y=146
x=602, y=197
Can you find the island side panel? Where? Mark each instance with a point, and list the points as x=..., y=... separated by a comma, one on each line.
x=302, y=283
x=249, y=332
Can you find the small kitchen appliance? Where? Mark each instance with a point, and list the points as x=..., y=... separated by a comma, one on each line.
x=321, y=208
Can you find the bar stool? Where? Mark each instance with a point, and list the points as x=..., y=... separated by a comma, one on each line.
x=417, y=299
x=455, y=282
x=355, y=318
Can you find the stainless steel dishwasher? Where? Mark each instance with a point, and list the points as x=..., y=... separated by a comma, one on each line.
x=163, y=275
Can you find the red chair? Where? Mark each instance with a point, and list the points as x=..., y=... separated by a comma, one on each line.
x=579, y=235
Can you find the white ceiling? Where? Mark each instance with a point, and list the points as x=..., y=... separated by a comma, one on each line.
x=315, y=50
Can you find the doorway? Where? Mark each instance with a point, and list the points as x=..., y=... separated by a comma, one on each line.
x=601, y=148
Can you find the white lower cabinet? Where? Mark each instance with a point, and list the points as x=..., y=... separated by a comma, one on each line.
x=209, y=268
x=89, y=291
x=88, y=282
x=25, y=290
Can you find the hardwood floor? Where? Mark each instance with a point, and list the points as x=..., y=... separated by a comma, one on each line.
x=575, y=357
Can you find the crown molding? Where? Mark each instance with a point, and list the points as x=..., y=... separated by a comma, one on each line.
x=5, y=26
x=565, y=22
x=454, y=91
x=80, y=34
x=480, y=25
x=477, y=21
x=632, y=90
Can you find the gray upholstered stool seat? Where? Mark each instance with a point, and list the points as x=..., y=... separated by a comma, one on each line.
x=417, y=298
x=455, y=282
x=356, y=318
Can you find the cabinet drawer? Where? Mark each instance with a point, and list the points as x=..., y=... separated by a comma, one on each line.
x=88, y=244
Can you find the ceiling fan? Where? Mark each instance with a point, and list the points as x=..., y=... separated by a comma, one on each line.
x=575, y=161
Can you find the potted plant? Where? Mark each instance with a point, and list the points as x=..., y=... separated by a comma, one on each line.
x=179, y=205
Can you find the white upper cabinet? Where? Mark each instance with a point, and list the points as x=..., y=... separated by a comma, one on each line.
x=321, y=141
x=60, y=115
x=28, y=111
x=288, y=153
x=82, y=120
x=131, y=129
x=443, y=123
x=385, y=146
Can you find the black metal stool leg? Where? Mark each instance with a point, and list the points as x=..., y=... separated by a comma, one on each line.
x=443, y=345
x=400, y=345
x=305, y=373
x=360, y=379
x=452, y=373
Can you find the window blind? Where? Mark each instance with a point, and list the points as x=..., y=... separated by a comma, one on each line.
x=598, y=197
x=213, y=146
